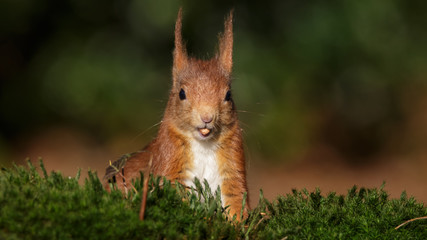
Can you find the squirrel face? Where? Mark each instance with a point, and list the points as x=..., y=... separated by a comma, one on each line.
x=200, y=103
x=201, y=100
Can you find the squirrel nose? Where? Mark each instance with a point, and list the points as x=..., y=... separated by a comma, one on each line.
x=206, y=118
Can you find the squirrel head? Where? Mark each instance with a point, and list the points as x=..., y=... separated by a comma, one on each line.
x=200, y=103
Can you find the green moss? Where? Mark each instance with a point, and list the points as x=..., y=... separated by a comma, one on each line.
x=55, y=207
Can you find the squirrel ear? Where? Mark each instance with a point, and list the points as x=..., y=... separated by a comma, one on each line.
x=179, y=54
x=226, y=45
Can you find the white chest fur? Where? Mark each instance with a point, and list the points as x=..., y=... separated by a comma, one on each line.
x=205, y=165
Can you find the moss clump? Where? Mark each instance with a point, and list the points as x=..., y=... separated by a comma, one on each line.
x=50, y=206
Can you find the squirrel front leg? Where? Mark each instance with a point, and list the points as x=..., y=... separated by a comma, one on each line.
x=233, y=190
x=232, y=168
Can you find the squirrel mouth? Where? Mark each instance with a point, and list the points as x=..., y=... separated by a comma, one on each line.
x=205, y=131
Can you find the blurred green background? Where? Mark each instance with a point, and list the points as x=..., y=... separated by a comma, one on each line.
x=346, y=75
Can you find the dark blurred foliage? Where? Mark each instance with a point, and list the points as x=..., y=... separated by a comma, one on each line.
x=339, y=73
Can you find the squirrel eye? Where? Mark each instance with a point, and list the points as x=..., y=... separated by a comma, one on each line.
x=228, y=96
x=182, y=94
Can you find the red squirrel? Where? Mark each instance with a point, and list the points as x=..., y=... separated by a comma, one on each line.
x=199, y=135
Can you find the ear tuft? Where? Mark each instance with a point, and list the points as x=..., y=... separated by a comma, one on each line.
x=226, y=45
x=180, y=53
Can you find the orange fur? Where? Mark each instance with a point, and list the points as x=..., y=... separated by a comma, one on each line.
x=204, y=104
